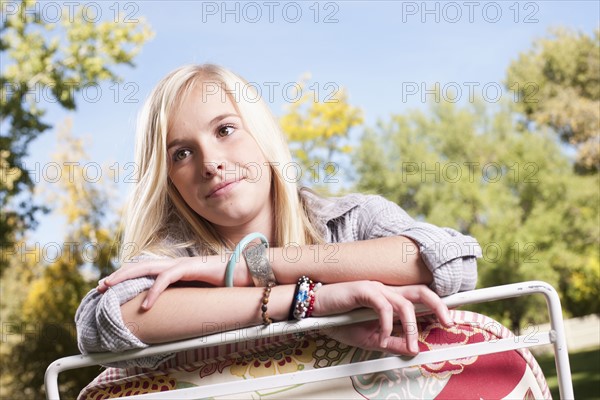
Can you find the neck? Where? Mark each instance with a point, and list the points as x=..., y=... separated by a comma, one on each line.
x=263, y=223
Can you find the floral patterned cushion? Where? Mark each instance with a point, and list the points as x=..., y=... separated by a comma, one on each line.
x=511, y=374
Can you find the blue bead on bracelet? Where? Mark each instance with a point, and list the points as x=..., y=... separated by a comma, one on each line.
x=235, y=257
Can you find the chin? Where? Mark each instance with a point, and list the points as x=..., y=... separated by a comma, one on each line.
x=234, y=219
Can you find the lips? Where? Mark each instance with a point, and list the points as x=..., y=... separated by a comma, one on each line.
x=219, y=188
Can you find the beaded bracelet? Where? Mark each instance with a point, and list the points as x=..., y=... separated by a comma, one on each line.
x=311, y=295
x=265, y=300
x=304, y=298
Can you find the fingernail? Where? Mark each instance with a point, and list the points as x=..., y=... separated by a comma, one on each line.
x=384, y=343
x=413, y=347
x=145, y=304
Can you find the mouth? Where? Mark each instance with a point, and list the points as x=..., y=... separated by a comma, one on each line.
x=222, y=188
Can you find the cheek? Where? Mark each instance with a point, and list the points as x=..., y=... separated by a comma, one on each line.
x=254, y=172
x=261, y=172
x=179, y=179
x=175, y=179
x=257, y=168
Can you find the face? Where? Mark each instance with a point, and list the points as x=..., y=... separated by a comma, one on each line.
x=217, y=166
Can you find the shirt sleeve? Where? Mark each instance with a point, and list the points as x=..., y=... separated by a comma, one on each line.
x=449, y=255
x=100, y=326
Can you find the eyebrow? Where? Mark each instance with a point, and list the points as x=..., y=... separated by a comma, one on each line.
x=212, y=122
x=222, y=116
x=173, y=143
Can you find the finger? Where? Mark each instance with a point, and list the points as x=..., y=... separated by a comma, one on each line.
x=101, y=286
x=375, y=299
x=105, y=283
x=435, y=303
x=114, y=278
x=131, y=270
x=398, y=345
x=422, y=294
x=379, y=303
x=406, y=312
x=160, y=285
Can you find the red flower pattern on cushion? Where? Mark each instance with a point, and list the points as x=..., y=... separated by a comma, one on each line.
x=490, y=376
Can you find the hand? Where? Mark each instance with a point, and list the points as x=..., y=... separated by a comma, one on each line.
x=209, y=269
x=389, y=302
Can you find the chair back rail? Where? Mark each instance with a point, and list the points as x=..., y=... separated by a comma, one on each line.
x=556, y=336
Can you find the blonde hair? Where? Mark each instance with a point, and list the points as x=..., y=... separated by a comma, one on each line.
x=156, y=211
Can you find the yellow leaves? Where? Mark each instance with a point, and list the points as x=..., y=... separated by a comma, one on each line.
x=330, y=169
x=308, y=119
x=55, y=295
x=346, y=149
x=31, y=305
x=8, y=174
x=80, y=193
x=116, y=40
x=318, y=124
x=81, y=51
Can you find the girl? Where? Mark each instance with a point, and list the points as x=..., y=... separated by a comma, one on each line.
x=212, y=172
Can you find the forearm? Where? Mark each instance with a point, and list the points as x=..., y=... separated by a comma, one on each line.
x=181, y=313
x=391, y=260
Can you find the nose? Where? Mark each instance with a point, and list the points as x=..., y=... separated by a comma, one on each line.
x=211, y=155
x=212, y=168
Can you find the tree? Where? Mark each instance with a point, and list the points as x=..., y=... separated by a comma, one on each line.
x=24, y=268
x=43, y=314
x=57, y=59
x=512, y=189
x=318, y=129
x=559, y=85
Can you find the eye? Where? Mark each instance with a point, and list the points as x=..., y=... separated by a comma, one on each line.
x=225, y=130
x=181, y=154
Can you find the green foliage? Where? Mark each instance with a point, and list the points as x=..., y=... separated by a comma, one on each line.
x=57, y=58
x=510, y=185
x=559, y=85
x=512, y=189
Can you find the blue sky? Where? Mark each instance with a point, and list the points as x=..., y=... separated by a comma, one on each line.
x=377, y=50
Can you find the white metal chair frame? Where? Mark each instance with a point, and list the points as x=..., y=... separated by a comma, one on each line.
x=555, y=336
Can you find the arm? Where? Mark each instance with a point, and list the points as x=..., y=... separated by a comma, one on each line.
x=330, y=263
x=100, y=325
x=200, y=311
x=391, y=260
x=232, y=308
x=381, y=242
x=114, y=321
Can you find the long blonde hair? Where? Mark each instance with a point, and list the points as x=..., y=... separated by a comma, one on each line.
x=156, y=211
